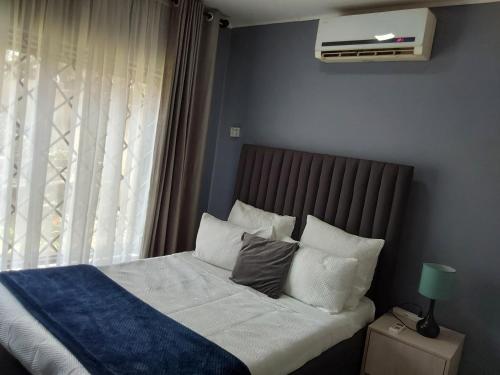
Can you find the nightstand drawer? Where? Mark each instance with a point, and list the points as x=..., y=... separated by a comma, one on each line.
x=387, y=356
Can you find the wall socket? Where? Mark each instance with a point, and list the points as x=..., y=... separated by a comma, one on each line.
x=234, y=132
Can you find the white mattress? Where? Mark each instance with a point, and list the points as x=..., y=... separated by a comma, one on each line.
x=269, y=336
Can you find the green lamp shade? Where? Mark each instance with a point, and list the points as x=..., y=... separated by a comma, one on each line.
x=437, y=281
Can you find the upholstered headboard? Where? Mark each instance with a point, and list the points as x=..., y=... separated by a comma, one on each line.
x=363, y=197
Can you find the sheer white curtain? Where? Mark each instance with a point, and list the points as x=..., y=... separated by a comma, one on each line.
x=80, y=84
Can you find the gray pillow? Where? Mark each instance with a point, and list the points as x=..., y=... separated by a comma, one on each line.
x=263, y=264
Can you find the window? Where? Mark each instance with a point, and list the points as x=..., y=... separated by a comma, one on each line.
x=80, y=90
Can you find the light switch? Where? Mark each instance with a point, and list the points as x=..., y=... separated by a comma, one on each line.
x=234, y=132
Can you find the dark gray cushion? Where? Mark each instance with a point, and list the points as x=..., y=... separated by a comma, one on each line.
x=263, y=264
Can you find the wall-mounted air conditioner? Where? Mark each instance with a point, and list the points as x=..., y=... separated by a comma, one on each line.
x=386, y=36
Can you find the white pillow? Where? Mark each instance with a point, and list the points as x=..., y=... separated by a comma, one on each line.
x=321, y=279
x=321, y=235
x=219, y=242
x=247, y=216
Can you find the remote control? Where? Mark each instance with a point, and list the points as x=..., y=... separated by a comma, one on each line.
x=396, y=328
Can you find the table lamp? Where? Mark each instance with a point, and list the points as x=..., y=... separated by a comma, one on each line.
x=436, y=282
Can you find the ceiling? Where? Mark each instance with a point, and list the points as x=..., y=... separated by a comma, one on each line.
x=258, y=12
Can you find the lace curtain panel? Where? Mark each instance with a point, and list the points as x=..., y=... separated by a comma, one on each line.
x=80, y=85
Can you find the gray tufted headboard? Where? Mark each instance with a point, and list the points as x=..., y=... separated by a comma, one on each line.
x=363, y=197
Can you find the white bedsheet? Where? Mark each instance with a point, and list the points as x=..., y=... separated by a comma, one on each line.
x=269, y=336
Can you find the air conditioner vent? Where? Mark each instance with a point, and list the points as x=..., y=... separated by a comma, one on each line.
x=369, y=52
x=400, y=35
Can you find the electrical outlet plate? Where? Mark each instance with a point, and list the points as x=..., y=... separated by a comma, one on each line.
x=234, y=132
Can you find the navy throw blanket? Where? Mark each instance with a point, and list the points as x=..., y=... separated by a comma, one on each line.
x=109, y=330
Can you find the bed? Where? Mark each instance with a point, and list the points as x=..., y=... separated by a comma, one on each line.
x=281, y=336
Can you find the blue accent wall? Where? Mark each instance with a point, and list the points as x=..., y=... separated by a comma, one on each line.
x=442, y=116
x=216, y=104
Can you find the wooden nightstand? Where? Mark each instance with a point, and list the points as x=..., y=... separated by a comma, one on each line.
x=409, y=353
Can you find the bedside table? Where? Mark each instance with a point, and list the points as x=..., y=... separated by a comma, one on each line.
x=409, y=353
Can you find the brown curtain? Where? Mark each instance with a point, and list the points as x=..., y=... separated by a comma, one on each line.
x=182, y=129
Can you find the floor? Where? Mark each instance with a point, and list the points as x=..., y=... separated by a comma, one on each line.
x=9, y=365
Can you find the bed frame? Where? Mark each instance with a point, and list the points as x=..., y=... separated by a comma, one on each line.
x=363, y=197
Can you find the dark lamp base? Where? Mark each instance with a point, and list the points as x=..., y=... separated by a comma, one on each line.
x=428, y=327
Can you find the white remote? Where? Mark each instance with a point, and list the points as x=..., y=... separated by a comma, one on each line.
x=407, y=317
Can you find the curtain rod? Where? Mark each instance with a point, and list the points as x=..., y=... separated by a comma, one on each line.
x=223, y=23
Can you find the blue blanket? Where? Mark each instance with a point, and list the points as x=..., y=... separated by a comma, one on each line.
x=109, y=330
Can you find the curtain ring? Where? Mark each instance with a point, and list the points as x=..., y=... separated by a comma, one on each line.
x=209, y=16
